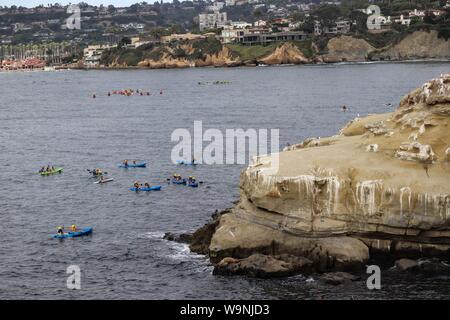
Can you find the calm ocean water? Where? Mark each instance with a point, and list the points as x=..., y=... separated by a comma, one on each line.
x=51, y=118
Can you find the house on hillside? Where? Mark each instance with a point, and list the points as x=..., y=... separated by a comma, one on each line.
x=212, y=20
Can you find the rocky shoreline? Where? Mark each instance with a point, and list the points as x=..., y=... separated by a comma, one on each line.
x=267, y=265
x=378, y=192
x=419, y=45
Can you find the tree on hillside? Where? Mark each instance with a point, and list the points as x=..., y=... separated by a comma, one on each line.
x=124, y=42
x=327, y=14
x=361, y=21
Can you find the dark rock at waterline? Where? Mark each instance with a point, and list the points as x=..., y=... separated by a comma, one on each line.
x=264, y=266
x=337, y=278
x=181, y=238
x=433, y=266
x=201, y=239
x=406, y=264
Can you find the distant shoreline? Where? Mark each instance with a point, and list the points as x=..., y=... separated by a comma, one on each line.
x=232, y=66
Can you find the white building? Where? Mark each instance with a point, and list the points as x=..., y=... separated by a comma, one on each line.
x=212, y=20
x=260, y=23
x=340, y=27
x=417, y=13
x=403, y=21
x=239, y=24
x=133, y=25
x=231, y=35
x=92, y=54
x=216, y=6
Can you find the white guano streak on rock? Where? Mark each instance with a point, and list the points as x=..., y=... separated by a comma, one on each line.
x=402, y=191
x=365, y=192
x=305, y=185
x=333, y=186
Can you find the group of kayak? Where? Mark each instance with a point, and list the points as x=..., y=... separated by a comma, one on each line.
x=129, y=93
x=214, y=82
x=190, y=181
x=176, y=178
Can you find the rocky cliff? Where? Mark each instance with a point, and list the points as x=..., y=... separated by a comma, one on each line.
x=418, y=45
x=168, y=59
x=381, y=186
x=346, y=48
x=211, y=53
x=286, y=53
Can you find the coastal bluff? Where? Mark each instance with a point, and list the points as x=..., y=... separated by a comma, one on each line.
x=210, y=52
x=381, y=187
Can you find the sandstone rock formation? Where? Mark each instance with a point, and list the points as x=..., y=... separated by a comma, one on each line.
x=336, y=202
x=337, y=278
x=347, y=48
x=286, y=53
x=406, y=264
x=418, y=45
x=222, y=58
x=263, y=266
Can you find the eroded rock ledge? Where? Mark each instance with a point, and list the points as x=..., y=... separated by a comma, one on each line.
x=382, y=186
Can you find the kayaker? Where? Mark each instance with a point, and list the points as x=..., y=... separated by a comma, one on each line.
x=147, y=185
x=60, y=230
x=136, y=184
x=42, y=169
x=134, y=161
x=73, y=228
x=125, y=163
x=191, y=179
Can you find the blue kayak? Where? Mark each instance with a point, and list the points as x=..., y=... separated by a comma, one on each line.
x=187, y=163
x=71, y=234
x=182, y=181
x=133, y=165
x=155, y=188
x=193, y=184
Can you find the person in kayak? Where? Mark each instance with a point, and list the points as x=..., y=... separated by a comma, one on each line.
x=136, y=184
x=60, y=231
x=177, y=177
x=134, y=161
x=125, y=163
x=73, y=228
x=147, y=185
x=42, y=169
